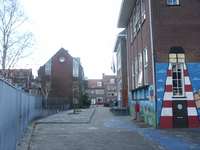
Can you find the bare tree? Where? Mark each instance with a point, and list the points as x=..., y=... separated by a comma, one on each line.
x=45, y=86
x=15, y=41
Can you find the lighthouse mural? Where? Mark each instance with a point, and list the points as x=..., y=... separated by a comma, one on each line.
x=178, y=109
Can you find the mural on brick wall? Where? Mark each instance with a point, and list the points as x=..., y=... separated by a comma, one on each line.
x=165, y=101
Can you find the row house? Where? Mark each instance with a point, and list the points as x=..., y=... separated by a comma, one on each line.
x=19, y=77
x=163, y=60
x=64, y=75
x=103, y=90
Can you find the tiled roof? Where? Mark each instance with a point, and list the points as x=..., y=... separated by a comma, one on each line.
x=16, y=71
x=93, y=83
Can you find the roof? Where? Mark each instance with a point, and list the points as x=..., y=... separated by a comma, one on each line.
x=125, y=13
x=16, y=71
x=121, y=34
x=107, y=78
x=93, y=83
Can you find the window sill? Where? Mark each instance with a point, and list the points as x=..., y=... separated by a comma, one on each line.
x=179, y=97
x=173, y=5
x=142, y=99
x=138, y=88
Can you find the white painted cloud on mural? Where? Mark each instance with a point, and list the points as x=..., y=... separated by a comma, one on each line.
x=160, y=89
x=195, y=78
x=160, y=80
x=162, y=71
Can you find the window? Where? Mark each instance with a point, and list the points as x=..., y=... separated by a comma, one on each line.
x=101, y=91
x=113, y=94
x=136, y=73
x=112, y=81
x=177, y=79
x=99, y=83
x=112, y=87
x=131, y=29
x=172, y=2
x=137, y=15
x=97, y=91
x=92, y=91
x=140, y=70
x=143, y=14
x=132, y=75
x=108, y=94
x=99, y=99
x=134, y=23
x=147, y=92
x=75, y=68
x=48, y=68
x=119, y=58
x=145, y=55
x=108, y=87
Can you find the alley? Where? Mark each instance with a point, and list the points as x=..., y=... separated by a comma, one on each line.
x=108, y=132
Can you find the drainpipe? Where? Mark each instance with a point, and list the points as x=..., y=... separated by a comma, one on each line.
x=152, y=53
x=127, y=63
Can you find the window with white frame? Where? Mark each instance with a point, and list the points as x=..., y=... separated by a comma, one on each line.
x=137, y=15
x=112, y=81
x=108, y=94
x=101, y=91
x=99, y=99
x=48, y=68
x=177, y=79
x=145, y=56
x=134, y=23
x=108, y=87
x=113, y=94
x=97, y=91
x=132, y=75
x=75, y=68
x=136, y=73
x=172, y=2
x=143, y=14
x=119, y=58
x=131, y=29
x=99, y=83
x=140, y=70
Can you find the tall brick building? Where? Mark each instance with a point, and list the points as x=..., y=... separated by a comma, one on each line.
x=163, y=60
x=64, y=70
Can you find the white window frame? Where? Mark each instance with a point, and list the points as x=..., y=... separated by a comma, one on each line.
x=140, y=70
x=108, y=94
x=178, y=79
x=133, y=75
x=119, y=58
x=172, y=2
x=99, y=83
x=131, y=29
x=137, y=15
x=143, y=13
x=145, y=59
x=101, y=99
x=75, y=68
x=97, y=91
x=101, y=91
x=136, y=73
x=134, y=23
x=48, y=68
x=108, y=87
x=112, y=81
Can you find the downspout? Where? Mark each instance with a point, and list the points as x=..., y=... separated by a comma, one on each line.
x=152, y=53
x=127, y=64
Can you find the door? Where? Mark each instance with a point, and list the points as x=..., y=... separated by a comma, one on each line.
x=180, y=118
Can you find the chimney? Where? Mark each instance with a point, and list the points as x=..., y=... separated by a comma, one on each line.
x=103, y=75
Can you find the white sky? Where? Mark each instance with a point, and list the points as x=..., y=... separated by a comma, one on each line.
x=86, y=28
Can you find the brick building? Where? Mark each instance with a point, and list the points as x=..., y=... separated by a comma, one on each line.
x=103, y=90
x=65, y=72
x=163, y=60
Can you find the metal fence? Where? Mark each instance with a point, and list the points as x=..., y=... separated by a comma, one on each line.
x=117, y=110
x=17, y=110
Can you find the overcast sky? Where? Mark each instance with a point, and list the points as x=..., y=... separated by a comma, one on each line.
x=86, y=28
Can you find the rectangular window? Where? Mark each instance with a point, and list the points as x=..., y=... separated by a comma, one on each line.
x=131, y=29
x=140, y=70
x=145, y=56
x=132, y=75
x=108, y=94
x=101, y=91
x=119, y=58
x=177, y=79
x=143, y=14
x=134, y=23
x=75, y=68
x=112, y=81
x=97, y=91
x=137, y=15
x=99, y=99
x=48, y=68
x=108, y=87
x=172, y=2
x=99, y=83
x=136, y=73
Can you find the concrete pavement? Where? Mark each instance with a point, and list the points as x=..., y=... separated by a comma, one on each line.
x=97, y=128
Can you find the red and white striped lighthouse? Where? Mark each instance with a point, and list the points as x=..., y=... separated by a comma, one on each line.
x=178, y=111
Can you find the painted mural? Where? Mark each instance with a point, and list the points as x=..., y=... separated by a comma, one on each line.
x=192, y=84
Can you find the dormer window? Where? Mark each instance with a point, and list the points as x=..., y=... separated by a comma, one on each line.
x=112, y=81
x=99, y=83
